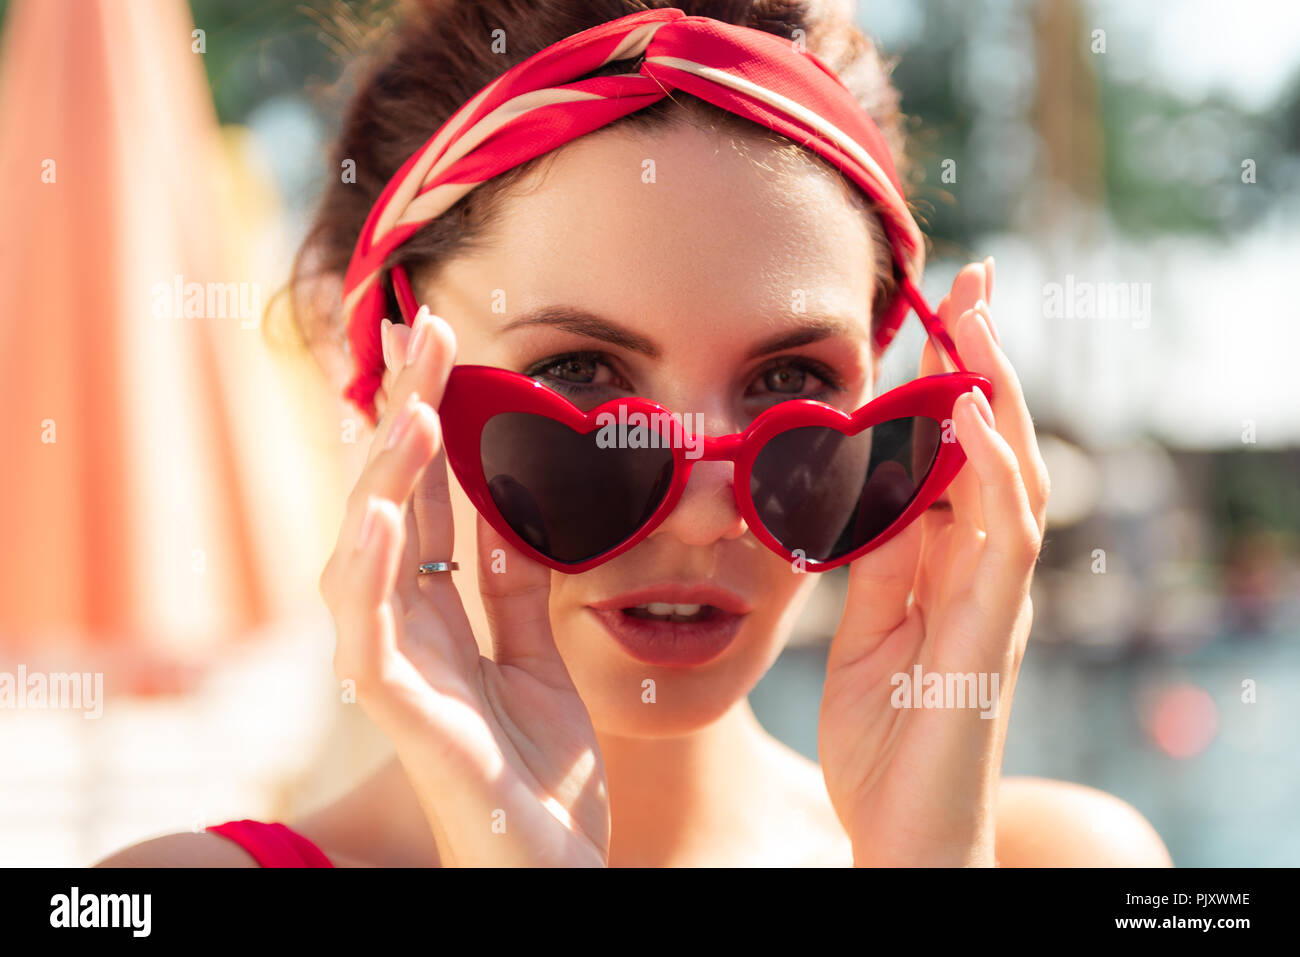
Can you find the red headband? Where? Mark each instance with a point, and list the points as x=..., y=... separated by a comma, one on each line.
x=536, y=106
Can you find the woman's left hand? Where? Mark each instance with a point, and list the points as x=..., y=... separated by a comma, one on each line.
x=919, y=786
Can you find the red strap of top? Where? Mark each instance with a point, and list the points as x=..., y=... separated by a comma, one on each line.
x=272, y=844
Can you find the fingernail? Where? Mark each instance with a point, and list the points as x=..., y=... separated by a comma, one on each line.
x=383, y=340
x=402, y=423
x=419, y=336
x=982, y=401
x=367, y=525
x=982, y=308
x=444, y=328
x=988, y=277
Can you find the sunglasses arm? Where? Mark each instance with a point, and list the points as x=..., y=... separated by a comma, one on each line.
x=405, y=295
x=933, y=324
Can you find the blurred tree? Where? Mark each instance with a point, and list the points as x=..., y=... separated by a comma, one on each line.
x=1119, y=140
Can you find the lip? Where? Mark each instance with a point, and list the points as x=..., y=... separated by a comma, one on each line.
x=673, y=644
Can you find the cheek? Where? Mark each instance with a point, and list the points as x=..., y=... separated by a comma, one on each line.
x=786, y=594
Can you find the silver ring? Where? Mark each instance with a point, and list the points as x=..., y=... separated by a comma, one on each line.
x=430, y=568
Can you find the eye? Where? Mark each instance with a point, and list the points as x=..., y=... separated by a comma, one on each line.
x=785, y=379
x=793, y=378
x=576, y=373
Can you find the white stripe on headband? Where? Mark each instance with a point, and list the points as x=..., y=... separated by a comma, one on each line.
x=406, y=192
x=632, y=45
x=636, y=41
x=426, y=205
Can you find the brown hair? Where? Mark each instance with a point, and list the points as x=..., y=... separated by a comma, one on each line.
x=421, y=70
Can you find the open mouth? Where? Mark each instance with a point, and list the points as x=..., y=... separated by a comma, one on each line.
x=667, y=611
x=671, y=640
x=680, y=633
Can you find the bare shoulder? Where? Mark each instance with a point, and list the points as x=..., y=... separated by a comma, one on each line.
x=188, y=849
x=1048, y=823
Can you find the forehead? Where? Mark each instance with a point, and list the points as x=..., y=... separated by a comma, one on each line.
x=675, y=218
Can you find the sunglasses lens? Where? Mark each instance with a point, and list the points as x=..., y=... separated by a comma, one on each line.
x=564, y=494
x=826, y=493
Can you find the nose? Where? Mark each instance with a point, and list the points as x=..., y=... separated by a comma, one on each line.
x=707, y=511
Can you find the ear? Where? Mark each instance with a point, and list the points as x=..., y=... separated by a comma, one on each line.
x=332, y=358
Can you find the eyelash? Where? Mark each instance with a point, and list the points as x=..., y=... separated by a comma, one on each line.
x=540, y=370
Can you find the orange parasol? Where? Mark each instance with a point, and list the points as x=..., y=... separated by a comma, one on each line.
x=158, y=498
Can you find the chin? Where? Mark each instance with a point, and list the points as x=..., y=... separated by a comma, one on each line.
x=630, y=697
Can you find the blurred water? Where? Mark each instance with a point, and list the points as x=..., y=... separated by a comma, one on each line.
x=1079, y=719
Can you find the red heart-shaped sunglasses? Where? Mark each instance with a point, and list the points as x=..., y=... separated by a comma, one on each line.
x=818, y=486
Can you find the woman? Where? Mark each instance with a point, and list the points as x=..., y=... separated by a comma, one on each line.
x=683, y=253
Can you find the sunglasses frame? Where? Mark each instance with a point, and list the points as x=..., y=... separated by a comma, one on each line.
x=474, y=394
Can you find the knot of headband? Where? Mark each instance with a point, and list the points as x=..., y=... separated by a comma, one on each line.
x=541, y=103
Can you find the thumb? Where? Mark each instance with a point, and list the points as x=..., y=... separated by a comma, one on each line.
x=516, y=595
x=880, y=584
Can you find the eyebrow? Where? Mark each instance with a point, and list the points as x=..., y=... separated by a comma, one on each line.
x=584, y=323
x=814, y=329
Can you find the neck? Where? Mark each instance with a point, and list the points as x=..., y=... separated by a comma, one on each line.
x=673, y=801
x=671, y=794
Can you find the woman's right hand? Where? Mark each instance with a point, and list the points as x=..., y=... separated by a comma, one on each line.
x=501, y=752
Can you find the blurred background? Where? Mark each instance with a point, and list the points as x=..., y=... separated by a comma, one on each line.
x=173, y=484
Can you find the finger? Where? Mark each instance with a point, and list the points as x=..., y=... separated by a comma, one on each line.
x=393, y=476
x=516, y=599
x=397, y=457
x=1012, y=539
x=431, y=502
x=392, y=339
x=962, y=496
x=399, y=336
x=406, y=466
x=425, y=374
x=969, y=286
x=434, y=524
x=358, y=597
x=880, y=583
x=978, y=346
x=433, y=527
x=376, y=647
x=937, y=536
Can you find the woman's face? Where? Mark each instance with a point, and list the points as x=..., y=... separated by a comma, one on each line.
x=717, y=284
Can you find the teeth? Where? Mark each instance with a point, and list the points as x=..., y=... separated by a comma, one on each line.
x=664, y=609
